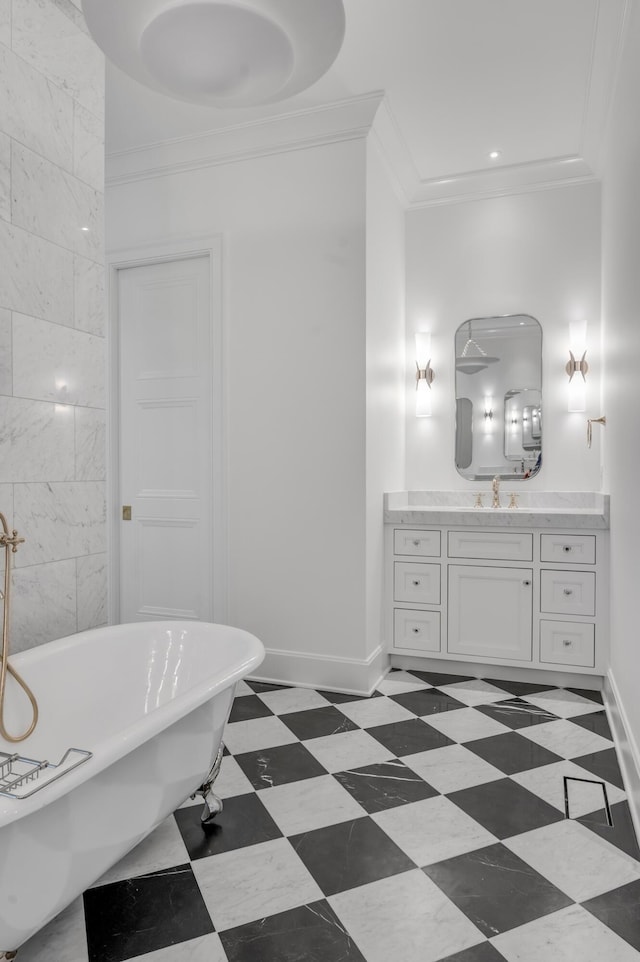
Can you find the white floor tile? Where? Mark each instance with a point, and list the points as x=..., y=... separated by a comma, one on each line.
x=375, y=711
x=547, y=782
x=466, y=724
x=253, y=882
x=309, y=804
x=575, y=859
x=571, y=935
x=433, y=830
x=476, y=692
x=563, y=703
x=405, y=918
x=452, y=768
x=231, y=780
x=293, y=699
x=65, y=934
x=243, y=689
x=398, y=681
x=339, y=753
x=257, y=733
x=208, y=948
x=566, y=739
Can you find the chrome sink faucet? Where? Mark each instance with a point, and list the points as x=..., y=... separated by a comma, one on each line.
x=495, y=487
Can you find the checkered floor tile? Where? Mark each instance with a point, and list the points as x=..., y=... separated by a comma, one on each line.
x=427, y=823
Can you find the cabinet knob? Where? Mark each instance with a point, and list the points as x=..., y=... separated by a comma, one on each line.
x=567, y=591
x=566, y=547
x=415, y=583
x=416, y=542
x=526, y=583
x=416, y=631
x=566, y=642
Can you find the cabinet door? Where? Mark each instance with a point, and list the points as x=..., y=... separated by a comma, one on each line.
x=490, y=612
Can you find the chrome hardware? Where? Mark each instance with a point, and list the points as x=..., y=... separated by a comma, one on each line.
x=416, y=543
x=590, y=422
x=416, y=631
x=566, y=642
x=526, y=583
x=567, y=591
x=566, y=547
x=18, y=772
x=212, y=804
x=415, y=584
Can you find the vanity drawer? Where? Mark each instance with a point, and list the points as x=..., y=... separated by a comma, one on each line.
x=499, y=546
x=424, y=543
x=417, y=582
x=568, y=592
x=576, y=549
x=567, y=643
x=418, y=630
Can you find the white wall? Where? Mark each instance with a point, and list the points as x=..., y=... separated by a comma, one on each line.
x=385, y=359
x=536, y=253
x=621, y=340
x=52, y=367
x=293, y=227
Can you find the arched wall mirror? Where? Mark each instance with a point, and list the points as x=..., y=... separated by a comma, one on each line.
x=498, y=363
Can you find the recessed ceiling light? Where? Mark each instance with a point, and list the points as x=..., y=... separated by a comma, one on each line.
x=495, y=154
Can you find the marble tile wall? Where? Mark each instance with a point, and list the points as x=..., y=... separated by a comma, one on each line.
x=52, y=318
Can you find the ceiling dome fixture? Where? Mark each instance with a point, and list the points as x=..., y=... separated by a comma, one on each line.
x=231, y=54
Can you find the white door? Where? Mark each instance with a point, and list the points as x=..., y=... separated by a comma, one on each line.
x=166, y=440
x=490, y=612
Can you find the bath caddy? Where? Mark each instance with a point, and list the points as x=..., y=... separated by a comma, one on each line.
x=18, y=774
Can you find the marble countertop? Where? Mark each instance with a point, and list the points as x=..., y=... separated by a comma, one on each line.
x=539, y=509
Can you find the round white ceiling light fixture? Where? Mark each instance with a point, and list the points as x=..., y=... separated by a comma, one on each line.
x=221, y=54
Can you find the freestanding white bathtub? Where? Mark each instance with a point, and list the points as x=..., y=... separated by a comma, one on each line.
x=150, y=702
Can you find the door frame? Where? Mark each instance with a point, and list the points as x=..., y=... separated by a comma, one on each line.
x=210, y=246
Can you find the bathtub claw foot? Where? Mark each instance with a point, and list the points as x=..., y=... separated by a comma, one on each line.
x=212, y=807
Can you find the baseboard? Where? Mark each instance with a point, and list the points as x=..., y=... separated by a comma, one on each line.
x=449, y=666
x=351, y=676
x=628, y=754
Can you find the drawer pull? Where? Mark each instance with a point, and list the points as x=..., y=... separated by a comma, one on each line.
x=416, y=543
x=567, y=591
x=566, y=548
x=526, y=583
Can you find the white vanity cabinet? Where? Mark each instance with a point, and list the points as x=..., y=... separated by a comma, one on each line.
x=506, y=595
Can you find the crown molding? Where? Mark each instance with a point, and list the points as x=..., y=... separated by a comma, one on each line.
x=328, y=124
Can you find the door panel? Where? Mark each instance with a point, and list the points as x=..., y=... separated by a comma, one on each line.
x=166, y=470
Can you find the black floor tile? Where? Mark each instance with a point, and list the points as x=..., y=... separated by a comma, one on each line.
x=511, y=752
x=619, y=910
x=342, y=856
x=316, y=722
x=311, y=933
x=437, y=679
x=260, y=686
x=588, y=693
x=481, y=884
x=130, y=918
x=621, y=833
x=409, y=737
x=517, y=713
x=383, y=786
x=427, y=701
x=505, y=808
x=483, y=952
x=338, y=697
x=243, y=821
x=603, y=764
x=248, y=706
x=519, y=688
x=279, y=765
x=595, y=721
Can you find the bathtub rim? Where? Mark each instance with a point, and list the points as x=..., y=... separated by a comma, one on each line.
x=145, y=727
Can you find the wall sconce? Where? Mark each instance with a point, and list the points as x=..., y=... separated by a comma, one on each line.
x=424, y=374
x=488, y=409
x=577, y=369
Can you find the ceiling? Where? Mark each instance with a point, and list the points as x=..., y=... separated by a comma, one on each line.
x=532, y=79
